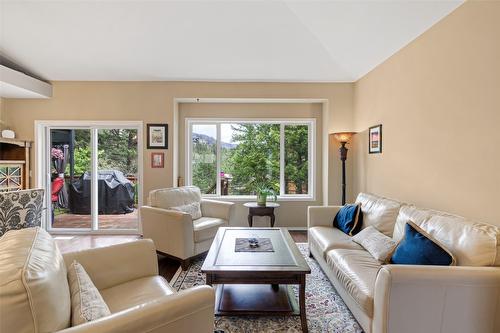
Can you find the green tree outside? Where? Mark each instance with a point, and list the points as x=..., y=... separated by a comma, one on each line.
x=117, y=151
x=254, y=160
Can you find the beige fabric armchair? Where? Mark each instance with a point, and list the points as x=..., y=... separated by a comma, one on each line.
x=35, y=297
x=175, y=233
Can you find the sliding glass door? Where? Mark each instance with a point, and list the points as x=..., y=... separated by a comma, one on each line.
x=93, y=176
x=118, y=182
x=69, y=165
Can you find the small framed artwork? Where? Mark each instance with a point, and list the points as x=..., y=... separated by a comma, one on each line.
x=157, y=136
x=375, y=139
x=157, y=160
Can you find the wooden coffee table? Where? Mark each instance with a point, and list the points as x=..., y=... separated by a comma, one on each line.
x=257, y=283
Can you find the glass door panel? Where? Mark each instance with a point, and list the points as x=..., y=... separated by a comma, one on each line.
x=204, y=157
x=70, y=178
x=118, y=182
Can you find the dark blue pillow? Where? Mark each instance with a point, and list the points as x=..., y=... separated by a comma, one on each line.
x=349, y=219
x=417, y=248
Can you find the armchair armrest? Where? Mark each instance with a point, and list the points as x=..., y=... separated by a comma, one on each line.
x=411, y=298
x=190, y=310
x=321, y=215
x=220, y=209
x=116, y=264
x=171, y=231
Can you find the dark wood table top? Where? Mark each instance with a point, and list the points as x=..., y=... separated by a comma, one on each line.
x=255, y=205
x=222, y=256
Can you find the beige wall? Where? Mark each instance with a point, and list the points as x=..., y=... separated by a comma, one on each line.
x=152, y=102
x=439, y=102
x=1, y=112
x=291, y=213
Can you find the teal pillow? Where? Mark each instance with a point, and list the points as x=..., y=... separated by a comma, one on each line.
x=418, y=248
x=349, y=219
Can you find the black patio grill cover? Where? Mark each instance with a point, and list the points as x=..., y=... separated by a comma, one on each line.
x=116, y=193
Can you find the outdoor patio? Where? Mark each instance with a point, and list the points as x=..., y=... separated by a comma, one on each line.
x=116, y=221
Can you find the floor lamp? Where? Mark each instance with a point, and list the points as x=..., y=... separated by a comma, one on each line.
x=343, y=138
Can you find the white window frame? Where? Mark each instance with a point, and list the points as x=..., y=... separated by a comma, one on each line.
x=310, y=122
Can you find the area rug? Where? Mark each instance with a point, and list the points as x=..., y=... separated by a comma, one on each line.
x=326, y=312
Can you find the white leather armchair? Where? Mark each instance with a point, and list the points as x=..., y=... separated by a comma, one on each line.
x=35, y=296
x=175, y=232
x=140, y=300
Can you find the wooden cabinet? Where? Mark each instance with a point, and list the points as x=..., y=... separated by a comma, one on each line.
x=15, y=167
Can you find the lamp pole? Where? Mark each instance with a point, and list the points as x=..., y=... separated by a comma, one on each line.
x=343, y=138
x=343, y=156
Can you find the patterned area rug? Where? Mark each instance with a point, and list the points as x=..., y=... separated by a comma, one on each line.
x=326, y=312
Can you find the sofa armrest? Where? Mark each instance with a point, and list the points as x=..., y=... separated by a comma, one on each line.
x=411, y=298
x=190, y=310
x=116, y=264
x=321, y=215
x=219, y=209
x=171, y=231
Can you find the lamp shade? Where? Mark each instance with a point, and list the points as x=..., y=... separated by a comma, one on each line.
x=343, y=136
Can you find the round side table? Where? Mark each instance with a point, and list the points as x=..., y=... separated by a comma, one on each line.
x=255, y=210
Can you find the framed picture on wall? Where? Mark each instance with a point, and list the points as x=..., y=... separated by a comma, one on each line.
x=157, y=136
x=157, y=160
x=375, y=139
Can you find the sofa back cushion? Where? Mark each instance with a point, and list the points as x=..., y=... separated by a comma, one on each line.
x=174, y=197
x=379, y=212
x=472, y=244
x=34, y=291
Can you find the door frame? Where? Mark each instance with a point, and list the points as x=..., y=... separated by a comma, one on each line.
x=42, y=162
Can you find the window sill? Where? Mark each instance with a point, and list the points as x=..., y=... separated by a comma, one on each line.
x=305, y=198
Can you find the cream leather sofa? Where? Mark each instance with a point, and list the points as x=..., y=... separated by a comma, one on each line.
x=175, y=233
x=408, y=298
x=35, y=297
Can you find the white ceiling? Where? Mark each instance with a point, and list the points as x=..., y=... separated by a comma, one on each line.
x=333, y=41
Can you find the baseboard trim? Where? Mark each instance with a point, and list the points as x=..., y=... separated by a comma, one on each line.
x=296, y=228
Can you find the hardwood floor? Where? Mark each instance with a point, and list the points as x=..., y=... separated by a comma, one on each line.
x=167, y=266
x=72, y=243
x=299, y=236
x=115, y=221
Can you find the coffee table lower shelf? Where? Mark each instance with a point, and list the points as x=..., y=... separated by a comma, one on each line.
x=255, y=299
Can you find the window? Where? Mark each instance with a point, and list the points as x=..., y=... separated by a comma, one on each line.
x=234, y=157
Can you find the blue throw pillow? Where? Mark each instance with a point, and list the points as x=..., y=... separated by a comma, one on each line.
x=349, y=219
x=418, y=248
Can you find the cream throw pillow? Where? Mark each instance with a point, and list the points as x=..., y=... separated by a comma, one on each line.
x=376, y=243
x=193, y=209
x=87, y=303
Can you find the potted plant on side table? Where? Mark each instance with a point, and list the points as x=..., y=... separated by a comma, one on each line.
x=263, y=192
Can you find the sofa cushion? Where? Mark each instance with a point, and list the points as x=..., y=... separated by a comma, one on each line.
x=419, y=248
x=349, y=219
x=357, y=271
x=379, y=212
x=376, y=243
x=174, y=197
x=135, y=292
x=34, y=291
x=86, y=301
x=472, y=244
x=327, y=238
x=206, y=228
